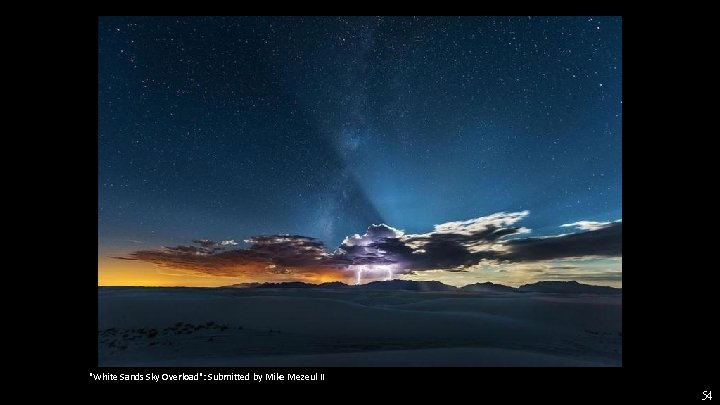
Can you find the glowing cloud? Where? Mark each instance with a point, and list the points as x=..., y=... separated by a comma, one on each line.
x=586, y=225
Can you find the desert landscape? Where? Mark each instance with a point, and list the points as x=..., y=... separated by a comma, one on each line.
x=360, y=191
x=390, y=323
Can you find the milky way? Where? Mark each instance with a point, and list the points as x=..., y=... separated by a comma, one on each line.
x=221, y=128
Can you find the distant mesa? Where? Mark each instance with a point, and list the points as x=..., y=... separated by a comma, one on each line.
x=333, y=284
x=289, y=284
x=562, y=287
x=405, y=285
x=408, y=285
x=572, y=287
x=488, y=287
x=242, y=285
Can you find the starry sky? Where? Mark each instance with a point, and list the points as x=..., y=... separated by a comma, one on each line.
x=481, y=148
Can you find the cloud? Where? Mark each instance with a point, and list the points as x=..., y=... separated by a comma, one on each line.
x=373, y=234
x=451, y=247
x=372, y=248
x=481, y=224
x=267, y=256
x=214, y=245
x=586, y=225
x=604, y=241
x=458, y=243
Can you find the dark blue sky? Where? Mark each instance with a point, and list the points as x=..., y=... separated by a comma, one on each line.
x=224, y=128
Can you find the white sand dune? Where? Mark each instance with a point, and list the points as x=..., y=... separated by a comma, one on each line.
x=443, y=357
x=298, y=327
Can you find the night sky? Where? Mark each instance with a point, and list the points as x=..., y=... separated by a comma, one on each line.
x=224, y=129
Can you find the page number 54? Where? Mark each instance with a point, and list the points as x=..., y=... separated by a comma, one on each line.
x=707, y=395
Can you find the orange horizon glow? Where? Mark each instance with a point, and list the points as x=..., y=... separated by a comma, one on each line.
x=135, y=273
x=112, y=272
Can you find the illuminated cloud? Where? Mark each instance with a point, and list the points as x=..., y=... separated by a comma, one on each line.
x=373, y=234
x=480, y=225
x=587, y=225
x=367, y=249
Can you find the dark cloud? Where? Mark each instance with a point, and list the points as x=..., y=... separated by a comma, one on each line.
x=605, y=241
x=214, y=245
x=205, y=243
x=444, y=251
x=452, y=246
x=273, y=254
